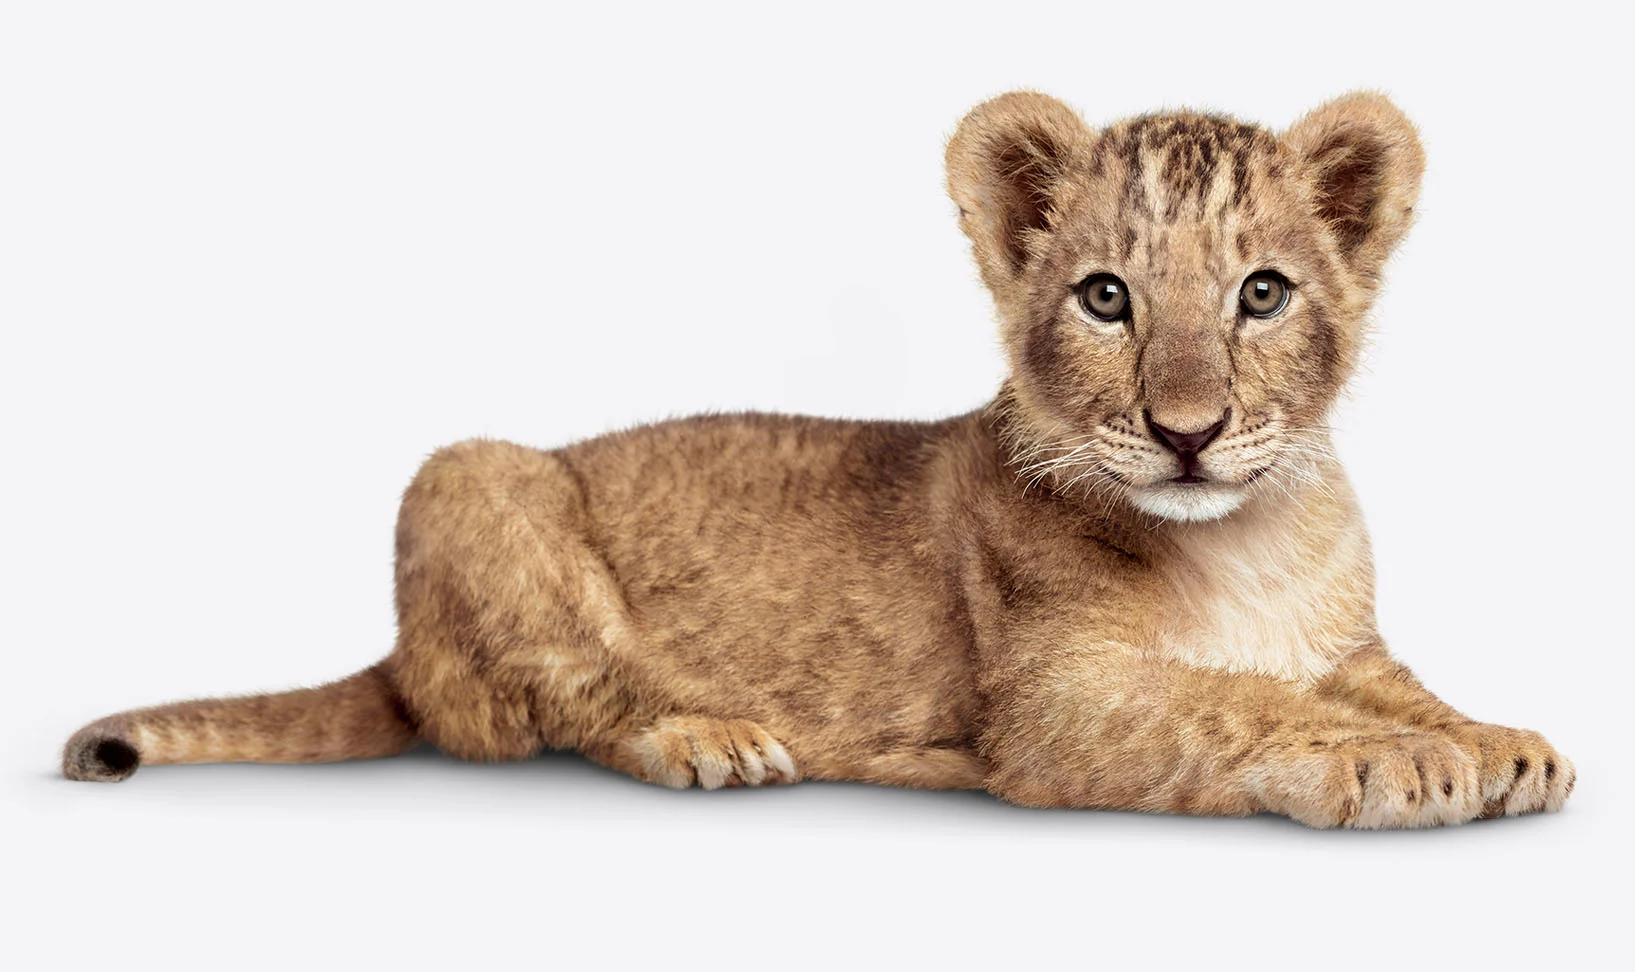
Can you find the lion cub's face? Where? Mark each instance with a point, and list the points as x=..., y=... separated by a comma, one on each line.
x=1182, y=295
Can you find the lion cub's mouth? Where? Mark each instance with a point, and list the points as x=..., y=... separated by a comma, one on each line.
x=1193, y=479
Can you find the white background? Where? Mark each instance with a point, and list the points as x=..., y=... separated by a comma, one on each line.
x=256, y=261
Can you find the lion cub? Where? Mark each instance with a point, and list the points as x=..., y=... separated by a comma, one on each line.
x=1137, y=579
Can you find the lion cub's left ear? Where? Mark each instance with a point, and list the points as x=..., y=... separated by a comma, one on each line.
x=1362, y=157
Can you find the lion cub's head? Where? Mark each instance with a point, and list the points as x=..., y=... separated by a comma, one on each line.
x=1181, y=295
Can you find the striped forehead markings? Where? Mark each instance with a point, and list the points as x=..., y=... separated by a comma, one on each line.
x=1173, y=160
x=1184, y=165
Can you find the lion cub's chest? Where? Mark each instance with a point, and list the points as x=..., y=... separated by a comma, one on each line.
x=1279, y=600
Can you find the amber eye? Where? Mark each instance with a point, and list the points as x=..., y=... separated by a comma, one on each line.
x=1264, y=294
x=1105, y=297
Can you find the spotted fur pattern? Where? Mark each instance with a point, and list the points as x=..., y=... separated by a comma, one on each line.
x=1044, y=598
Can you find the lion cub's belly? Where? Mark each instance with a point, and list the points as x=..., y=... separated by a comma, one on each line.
x=1283, y=603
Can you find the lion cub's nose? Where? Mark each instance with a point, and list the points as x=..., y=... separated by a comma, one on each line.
x=1187, y=444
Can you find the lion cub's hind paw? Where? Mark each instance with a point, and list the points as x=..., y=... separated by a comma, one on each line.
x=712, y=753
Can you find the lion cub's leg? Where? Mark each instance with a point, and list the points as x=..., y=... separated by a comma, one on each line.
x=1112, y=729
x=1519, y=771
x=685, y=750
x=506, y=614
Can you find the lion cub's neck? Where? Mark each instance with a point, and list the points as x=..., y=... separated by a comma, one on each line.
x=1282, y=587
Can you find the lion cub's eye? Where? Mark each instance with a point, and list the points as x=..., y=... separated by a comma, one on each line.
x=1105, y=297
x=1264, y=294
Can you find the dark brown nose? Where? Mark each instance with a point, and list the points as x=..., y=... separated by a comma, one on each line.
x=1187, y=445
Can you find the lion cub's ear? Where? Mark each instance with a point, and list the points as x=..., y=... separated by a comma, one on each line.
x=1362, y=156
x=1006, y=163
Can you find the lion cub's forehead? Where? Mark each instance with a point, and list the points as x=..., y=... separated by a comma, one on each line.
x=1177, y=159
x=1160, y=184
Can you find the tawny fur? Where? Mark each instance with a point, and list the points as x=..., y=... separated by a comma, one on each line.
x=1022, y=598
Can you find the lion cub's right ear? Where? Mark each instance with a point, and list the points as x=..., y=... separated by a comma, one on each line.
x=1006, y=163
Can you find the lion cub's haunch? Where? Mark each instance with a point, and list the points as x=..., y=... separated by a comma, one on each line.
x=1136, y=579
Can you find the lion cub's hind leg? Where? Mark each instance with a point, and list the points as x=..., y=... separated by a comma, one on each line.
x=685, y=750
x=505, y=611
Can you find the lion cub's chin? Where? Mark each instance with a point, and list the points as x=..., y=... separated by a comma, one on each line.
x=1198, y=501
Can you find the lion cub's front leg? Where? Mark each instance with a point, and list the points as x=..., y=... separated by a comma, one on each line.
x=1113, y=729
x=1519, y=771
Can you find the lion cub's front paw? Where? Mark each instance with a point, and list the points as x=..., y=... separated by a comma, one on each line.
x=1370, y=781
x=712, y=753
x=1520, y=771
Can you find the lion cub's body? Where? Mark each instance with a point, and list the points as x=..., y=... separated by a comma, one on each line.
x=1137, y=579
x=846, y=586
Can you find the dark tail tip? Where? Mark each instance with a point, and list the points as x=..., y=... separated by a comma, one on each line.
x=100, y=754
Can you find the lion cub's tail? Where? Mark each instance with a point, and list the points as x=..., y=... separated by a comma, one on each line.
x=355, y=718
